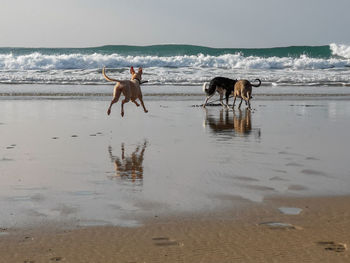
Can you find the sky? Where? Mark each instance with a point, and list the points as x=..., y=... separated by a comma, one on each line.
x=218, y=23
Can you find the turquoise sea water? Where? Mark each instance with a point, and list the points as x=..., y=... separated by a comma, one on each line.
x=179, y=50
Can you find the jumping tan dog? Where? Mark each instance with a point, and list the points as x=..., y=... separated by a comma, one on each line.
x=130, y=89
x=243, y=90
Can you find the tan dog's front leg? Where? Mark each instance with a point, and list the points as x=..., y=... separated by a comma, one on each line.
x=143, y=105
x=134, y=101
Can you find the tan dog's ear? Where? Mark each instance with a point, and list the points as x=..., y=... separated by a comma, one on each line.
x=132, y=71
x=140, y=70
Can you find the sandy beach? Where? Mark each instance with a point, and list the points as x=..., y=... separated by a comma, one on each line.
x=320, y=233
x=179, y=184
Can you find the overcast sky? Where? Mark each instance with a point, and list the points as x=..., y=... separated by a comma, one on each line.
x=215, y=23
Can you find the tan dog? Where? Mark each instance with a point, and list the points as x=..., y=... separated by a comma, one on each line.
x=243, y=90
x=130, y=89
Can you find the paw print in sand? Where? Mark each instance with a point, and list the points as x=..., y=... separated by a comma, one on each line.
x=333, y=246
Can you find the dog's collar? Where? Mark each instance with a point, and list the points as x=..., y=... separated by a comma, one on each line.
x=138, y=80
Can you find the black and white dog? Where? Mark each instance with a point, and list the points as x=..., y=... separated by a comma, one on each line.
x=222, y=86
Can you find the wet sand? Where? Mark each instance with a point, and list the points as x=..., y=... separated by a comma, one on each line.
x=320, y=233
x=177, y=184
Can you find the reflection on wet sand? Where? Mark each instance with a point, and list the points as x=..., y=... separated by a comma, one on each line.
x=240, y=124
x=129, y=167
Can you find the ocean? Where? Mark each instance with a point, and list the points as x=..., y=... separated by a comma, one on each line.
x=174, y=66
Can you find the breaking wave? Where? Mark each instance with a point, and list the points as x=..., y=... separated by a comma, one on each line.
x=177, y=64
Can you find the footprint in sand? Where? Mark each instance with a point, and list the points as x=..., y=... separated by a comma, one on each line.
x=277, y=178
x=296, y=187
x=312, y=158
x=56, y=259
x=314, y=172
x=281, y=226
x=165, y=242
x=332, y=246
x=11, y=146
x=294, y=164
x=97, y=133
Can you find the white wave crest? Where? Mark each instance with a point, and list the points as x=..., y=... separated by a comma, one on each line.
x=38, y=61
x=180, y=76
x=340, y=50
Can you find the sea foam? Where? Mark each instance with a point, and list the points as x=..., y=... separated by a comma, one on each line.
x=340, y=50
x=37, y=61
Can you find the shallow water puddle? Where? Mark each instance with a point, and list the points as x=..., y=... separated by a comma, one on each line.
x=290, y=210
x=279, y=225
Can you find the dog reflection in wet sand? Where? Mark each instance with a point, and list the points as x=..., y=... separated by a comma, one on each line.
x=129, y=166
x=241, y=124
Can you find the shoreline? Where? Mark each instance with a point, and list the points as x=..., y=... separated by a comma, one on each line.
x=78, y=91
x=174, y=97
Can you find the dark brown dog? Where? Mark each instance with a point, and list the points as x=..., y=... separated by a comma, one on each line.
x=243, y=90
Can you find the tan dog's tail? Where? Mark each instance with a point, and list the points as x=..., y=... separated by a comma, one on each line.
x=108, y=78
x=257, y=85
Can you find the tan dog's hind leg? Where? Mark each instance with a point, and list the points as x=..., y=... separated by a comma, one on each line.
x=123, y=102
x=116, y=96
x=245, y=94
x=239, y=106
x=234, y=101
x=246, y=99
x=249, y=97
x=248, y=103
